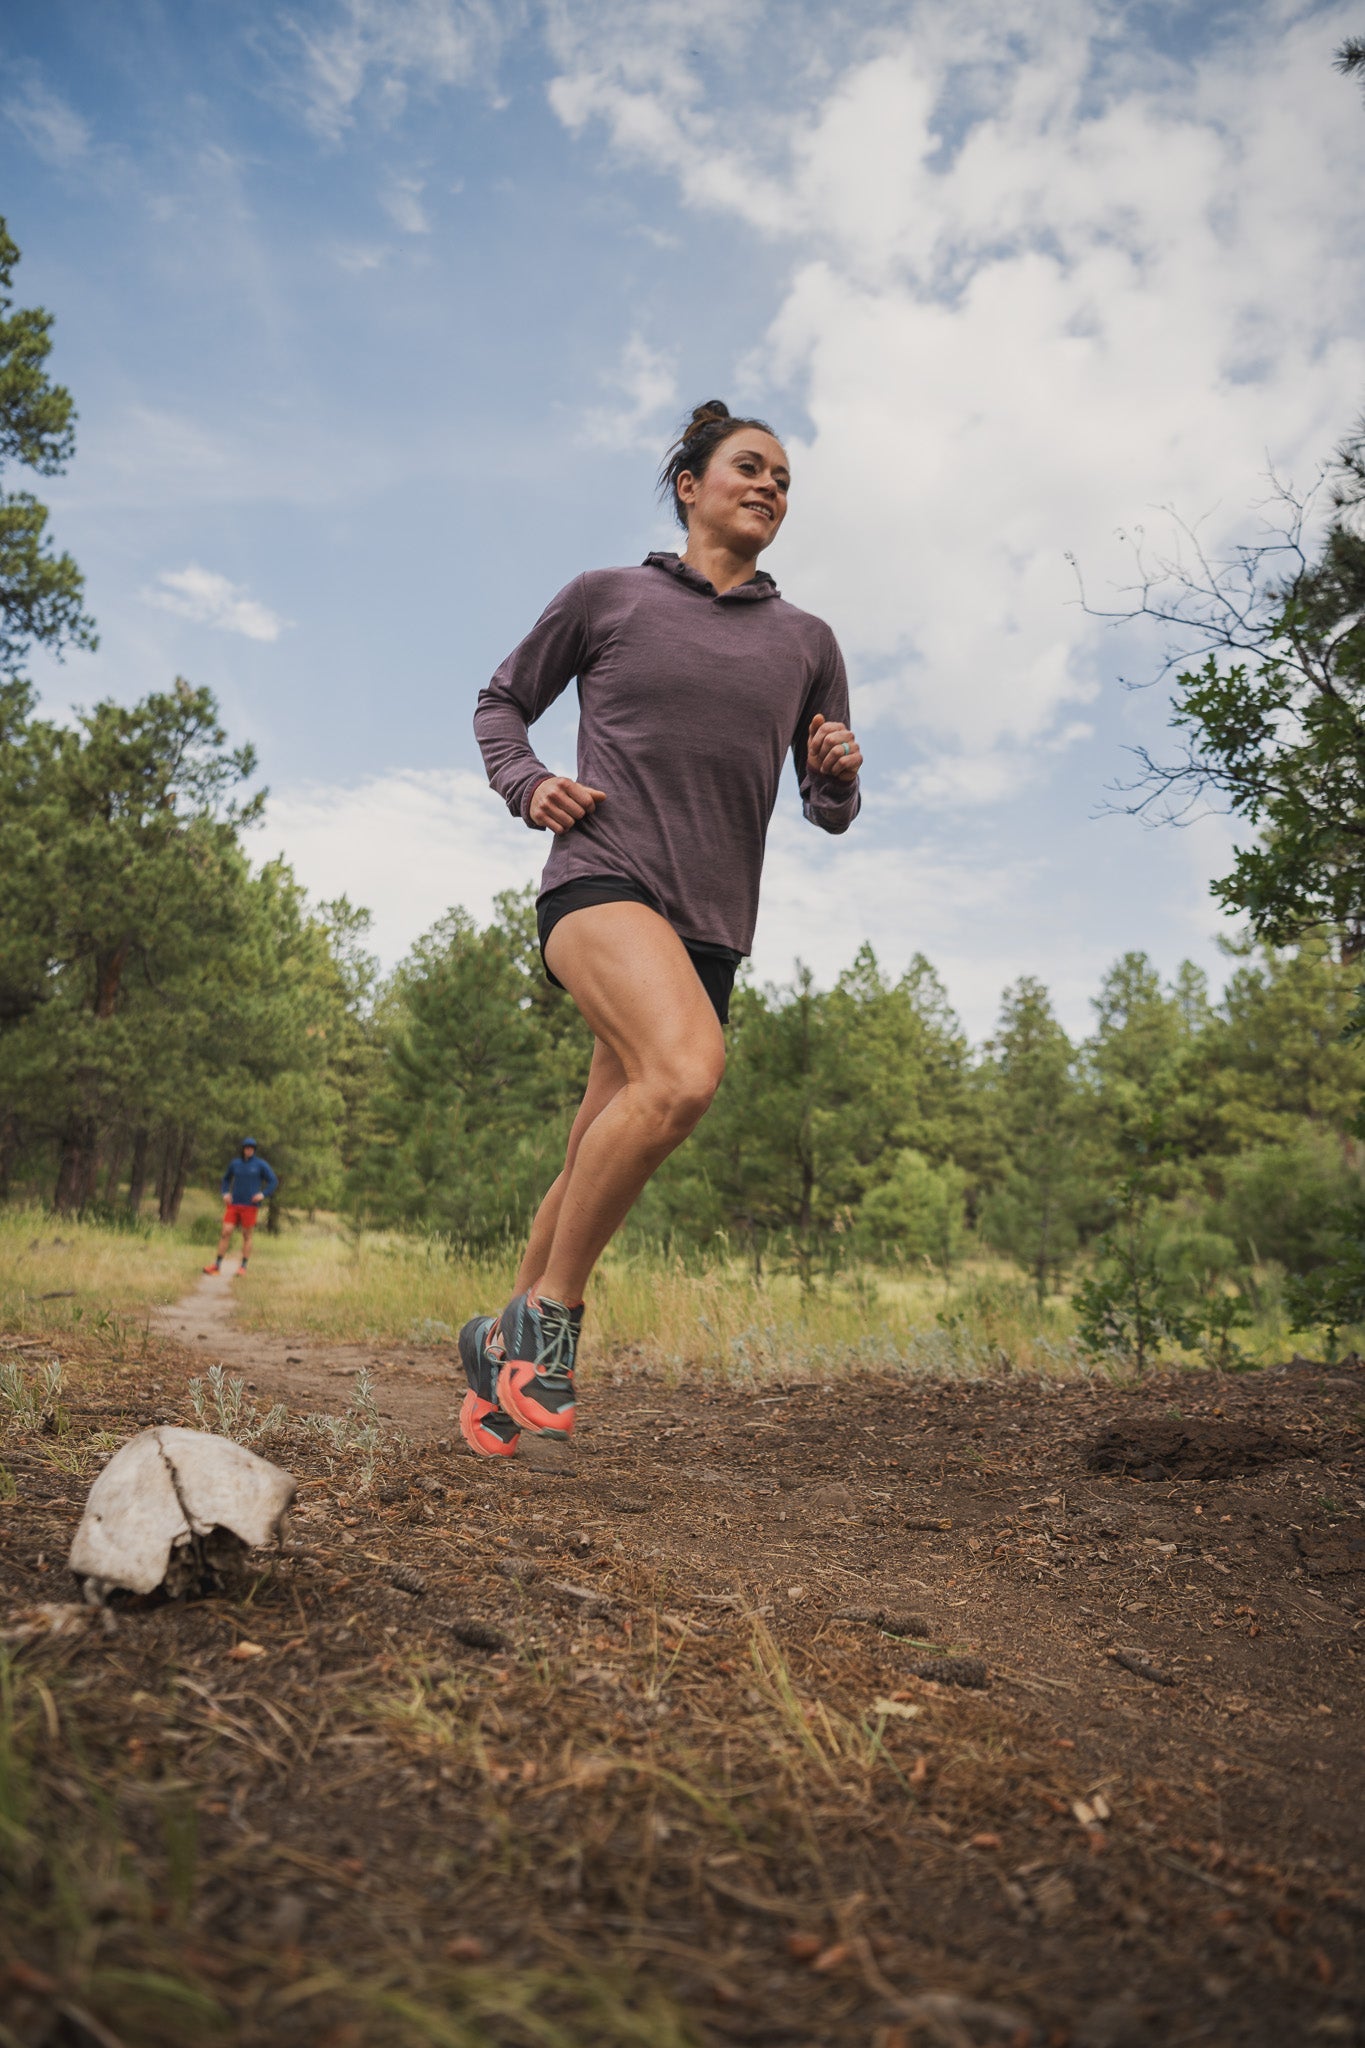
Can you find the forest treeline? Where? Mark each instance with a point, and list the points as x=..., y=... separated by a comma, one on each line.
x=159, y=993
x=1198, y=1149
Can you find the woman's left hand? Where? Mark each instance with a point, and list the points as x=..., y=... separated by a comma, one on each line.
x=832, y=750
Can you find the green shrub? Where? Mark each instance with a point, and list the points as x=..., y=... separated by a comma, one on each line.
x=918, y=1212
x=1278, y=1201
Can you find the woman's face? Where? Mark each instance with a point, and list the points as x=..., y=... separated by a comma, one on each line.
x=741, y=500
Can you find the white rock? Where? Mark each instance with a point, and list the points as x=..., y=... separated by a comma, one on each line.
x=164, y=1489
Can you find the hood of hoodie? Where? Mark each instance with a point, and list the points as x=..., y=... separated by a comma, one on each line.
x=759, y=586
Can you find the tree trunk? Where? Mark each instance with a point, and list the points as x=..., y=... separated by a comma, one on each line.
x=165, y=1179
x=1044, y=1246
x=184, y=1154
x=77, y=1162
x=118, y=1150
x=90, y=1170
x=137, y=1172
x=9, y=1140
x=109, y=978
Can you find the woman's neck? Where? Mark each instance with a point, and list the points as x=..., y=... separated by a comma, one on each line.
x=719, y=564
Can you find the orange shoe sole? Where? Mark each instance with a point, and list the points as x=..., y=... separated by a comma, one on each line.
x=524, y=1409
x=481, y=1441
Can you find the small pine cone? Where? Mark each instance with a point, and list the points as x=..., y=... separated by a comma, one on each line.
x=949, y=1670
x=478, y=1635
x=524, y=1568
x=914, y=1625
x=407, y=1579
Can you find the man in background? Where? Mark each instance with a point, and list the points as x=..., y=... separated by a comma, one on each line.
x=248, y=1181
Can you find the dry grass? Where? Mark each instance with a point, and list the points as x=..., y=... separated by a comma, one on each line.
x=58, y=1274
x=389, y=1289
x=316, y=1280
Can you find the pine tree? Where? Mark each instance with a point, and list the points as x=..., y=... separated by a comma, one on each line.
x=1035, y=1098
x=40, y=590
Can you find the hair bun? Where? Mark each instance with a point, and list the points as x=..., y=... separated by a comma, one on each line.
x=706, y=415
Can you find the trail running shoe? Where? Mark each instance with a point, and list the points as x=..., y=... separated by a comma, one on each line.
x=535, y=1341
x=480, y=1364
x=485, y=1428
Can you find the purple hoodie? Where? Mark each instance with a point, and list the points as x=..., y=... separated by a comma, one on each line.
x=688, y=704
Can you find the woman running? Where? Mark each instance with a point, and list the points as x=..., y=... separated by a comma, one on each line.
x=695, y=679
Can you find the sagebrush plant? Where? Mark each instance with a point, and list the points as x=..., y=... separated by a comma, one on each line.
x=360, y=1432
x=221, y=1405
x=33, y=1404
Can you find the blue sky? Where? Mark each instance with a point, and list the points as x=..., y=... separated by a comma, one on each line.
x=379, y=313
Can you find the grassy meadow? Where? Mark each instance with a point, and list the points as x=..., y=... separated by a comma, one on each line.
x=320, y=1279
x=58, y=1270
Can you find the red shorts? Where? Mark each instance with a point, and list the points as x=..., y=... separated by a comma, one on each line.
x=241, y=1216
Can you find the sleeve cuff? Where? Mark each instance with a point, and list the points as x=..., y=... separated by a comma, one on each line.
x=529, y=792
x=830, y=790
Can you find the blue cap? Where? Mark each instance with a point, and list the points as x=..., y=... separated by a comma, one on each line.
x=252, y=1142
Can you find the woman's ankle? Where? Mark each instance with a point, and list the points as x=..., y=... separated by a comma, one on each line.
x=548, y=1289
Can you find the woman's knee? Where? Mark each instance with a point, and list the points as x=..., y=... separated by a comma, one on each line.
x=679, y=1092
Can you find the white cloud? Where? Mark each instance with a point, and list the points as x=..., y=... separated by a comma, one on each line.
x=408, y=845
x=401, y=199
x=385, y=47
x=963, y=781
x=210, y=600
x=645, y=384
x=357, y=258
x=1043, y=280
x=47, y=123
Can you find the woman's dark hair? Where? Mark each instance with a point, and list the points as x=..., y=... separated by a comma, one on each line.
x=711, y=423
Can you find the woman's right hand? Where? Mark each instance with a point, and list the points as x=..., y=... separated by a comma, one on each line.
x=559, y=802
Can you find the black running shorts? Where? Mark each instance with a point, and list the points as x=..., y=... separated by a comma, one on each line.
x=716, y=965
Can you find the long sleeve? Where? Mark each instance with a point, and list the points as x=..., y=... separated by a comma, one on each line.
x=534, y=674
x=272, y=1179
x=825, y=801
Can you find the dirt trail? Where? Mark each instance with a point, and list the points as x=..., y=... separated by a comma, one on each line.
x=419, y=1394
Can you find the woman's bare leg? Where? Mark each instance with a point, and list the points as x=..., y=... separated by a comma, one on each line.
x=606, y=1078
x=628, y=972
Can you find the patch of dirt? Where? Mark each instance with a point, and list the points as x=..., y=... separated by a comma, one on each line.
x=1187, y=1450
x=1334, y=1551
x=679, y=1723
x=414, y=1389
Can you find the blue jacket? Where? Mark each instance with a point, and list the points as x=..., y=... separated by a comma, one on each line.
x=247, y=1178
